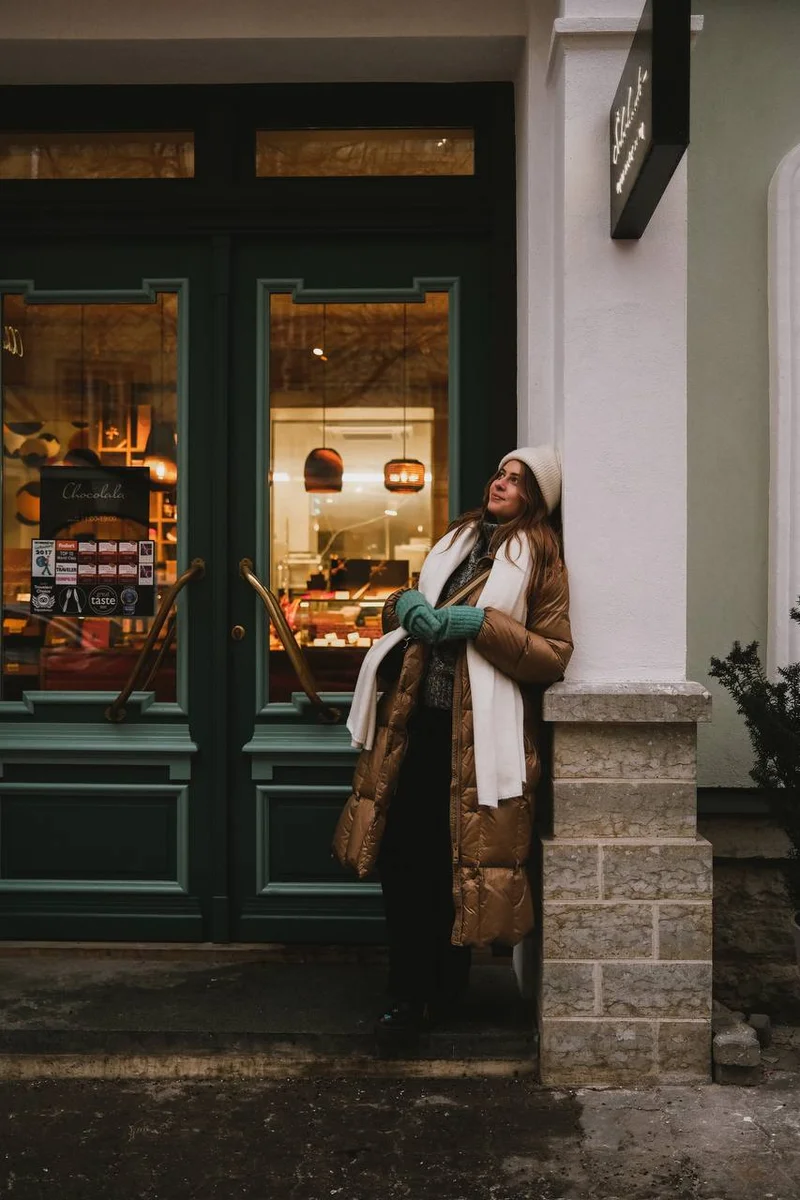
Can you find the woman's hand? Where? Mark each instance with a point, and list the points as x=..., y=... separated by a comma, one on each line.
x=418, y=617
x=459, y=621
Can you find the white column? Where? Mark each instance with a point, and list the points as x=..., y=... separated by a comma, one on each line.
x=603, y=353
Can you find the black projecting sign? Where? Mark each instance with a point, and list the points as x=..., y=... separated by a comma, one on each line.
x=650, y=115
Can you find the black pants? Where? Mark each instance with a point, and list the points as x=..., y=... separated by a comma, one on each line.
x=415, y=867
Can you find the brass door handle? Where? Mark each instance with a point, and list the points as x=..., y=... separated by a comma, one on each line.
x=325, y=712
x=116, y=709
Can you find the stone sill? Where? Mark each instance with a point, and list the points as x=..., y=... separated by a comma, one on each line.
x=626, y=703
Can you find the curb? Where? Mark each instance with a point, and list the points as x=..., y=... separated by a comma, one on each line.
x=251, y=1066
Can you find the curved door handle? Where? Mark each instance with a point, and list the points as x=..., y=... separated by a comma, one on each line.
x=325, y=712
x=116, y=709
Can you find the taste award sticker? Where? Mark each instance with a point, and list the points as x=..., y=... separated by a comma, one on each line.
x=103, y=600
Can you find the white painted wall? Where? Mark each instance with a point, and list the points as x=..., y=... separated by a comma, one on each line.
x=616, y=400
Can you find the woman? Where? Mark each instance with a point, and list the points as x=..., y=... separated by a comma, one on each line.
x=442, y=800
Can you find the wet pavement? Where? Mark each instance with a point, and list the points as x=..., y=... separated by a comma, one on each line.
x=465, y=1139
x=211, y=1076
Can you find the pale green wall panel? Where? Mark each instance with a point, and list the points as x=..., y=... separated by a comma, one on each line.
x=745, y=117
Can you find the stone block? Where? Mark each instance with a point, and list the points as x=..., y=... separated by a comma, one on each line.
x=597, y=1052
x=597, y=931
x=624, y=808
x=675, y=989
x=684, y=1051
x=761, y=1023
x=622, y=703
x=737, y=1046
x=568, y=989
x=684, y=930
x=624, y=752
x=657, y=871
x=738, y=1076
x=570, y=872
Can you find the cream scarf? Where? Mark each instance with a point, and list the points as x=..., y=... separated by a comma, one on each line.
x=496, y=699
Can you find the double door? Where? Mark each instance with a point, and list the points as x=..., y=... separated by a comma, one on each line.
x=315, y=408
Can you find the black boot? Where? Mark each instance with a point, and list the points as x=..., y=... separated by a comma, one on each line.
x=399, y=1027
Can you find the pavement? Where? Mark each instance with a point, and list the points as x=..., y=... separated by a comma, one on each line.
x=214, y=1077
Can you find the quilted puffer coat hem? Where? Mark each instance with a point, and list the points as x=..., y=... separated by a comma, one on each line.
x=491, y=846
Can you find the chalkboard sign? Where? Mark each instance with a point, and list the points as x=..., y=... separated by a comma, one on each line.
x=649, y=120
x=93, y=496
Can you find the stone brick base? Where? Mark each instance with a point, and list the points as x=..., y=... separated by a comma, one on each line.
x=625, y=990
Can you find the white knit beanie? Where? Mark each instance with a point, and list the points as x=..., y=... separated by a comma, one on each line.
x=545, y=463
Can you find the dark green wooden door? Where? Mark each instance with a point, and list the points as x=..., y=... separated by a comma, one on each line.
x=111, y=830
x=208, y=813
x=377, y=349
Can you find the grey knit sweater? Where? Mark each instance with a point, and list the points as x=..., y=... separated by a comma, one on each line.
x=437, y=686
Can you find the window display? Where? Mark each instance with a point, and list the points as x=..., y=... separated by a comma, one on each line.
x=90, y=522
x=364, y=389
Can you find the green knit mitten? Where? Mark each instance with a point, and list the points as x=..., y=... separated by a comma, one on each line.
x=459, y=621
x=418, y=617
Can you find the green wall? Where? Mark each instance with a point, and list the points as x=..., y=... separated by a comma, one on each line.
x=745, y=117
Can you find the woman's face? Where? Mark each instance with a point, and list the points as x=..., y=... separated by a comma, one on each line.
x=506, y=496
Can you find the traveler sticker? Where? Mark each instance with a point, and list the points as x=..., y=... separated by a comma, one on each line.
x=43, y=597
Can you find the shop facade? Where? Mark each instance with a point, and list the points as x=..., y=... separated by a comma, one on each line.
x=304, y=289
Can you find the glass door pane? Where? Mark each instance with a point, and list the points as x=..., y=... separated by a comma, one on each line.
x=90, y=520
x=358, y=424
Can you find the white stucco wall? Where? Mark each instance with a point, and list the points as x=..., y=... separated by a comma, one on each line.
x=746, y=116
x=603, y=355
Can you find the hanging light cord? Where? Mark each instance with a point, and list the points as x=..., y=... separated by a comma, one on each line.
x=405, y=376
x=324, y=372
x=83, y=366
x=161, y=396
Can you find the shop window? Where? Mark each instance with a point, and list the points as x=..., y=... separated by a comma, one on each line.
x=342, y=152
x=96, y=155
x=90, y=523
x=353, y=387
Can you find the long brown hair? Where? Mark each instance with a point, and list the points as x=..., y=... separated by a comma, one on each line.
x=542, y=530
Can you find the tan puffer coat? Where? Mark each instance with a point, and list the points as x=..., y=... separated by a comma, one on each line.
x=491, y=891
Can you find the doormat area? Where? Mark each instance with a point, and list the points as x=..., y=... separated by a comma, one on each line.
x=100, y=1016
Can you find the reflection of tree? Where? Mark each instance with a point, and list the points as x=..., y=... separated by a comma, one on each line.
x=325, y=153
x=99, y=156
x=365, y=350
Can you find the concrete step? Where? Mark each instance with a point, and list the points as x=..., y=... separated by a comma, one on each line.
x=108, y=1015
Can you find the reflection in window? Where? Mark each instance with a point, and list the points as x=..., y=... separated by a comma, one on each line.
x=329, y=152
x=366, y=383
x=96, y=156
x=89, y=398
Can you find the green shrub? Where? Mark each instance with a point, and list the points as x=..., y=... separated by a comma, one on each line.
x=771, y=713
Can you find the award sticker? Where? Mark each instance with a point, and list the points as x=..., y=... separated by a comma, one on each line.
x=102, y=600
x=43, y=558
x=43, y=597
x=128, y=597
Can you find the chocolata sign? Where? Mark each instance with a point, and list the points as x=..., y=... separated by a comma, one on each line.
x=649, y=123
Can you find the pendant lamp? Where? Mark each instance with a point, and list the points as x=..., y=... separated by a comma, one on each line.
x=323, y=469
x=404, y=476
x=159, y=450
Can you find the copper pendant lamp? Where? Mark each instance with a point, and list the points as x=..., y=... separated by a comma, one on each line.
x=323, y=470
x=404, y=476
